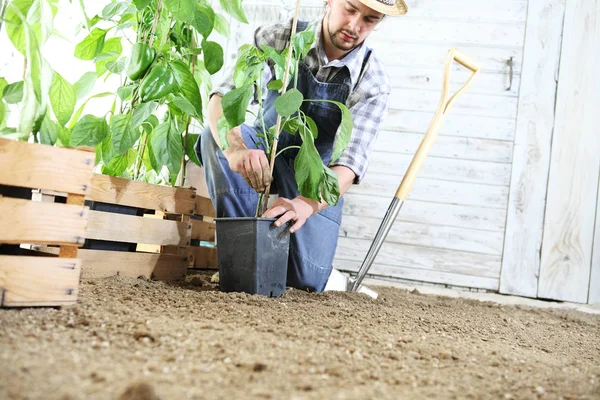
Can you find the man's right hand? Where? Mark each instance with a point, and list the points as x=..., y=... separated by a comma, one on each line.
x=252, y=165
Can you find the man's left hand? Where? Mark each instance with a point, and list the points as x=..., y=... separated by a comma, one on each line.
x=297, y=210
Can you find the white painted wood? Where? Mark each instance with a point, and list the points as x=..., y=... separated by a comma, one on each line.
x=438, y=236
x=420, y=275
x=575, y=160
x=468, y=104
x=428, y=258
x=594, y=293
x=496, y=83
x=455, y=33
x=423, y=212
x=463, y=125
x=449, y=169
x=469, y=10
x=437, y=191
x=535, y=123
x=465, y=148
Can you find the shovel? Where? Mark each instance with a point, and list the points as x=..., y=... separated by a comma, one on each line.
x=340, y=282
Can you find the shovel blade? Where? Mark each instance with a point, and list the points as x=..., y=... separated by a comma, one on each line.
x=339, y=282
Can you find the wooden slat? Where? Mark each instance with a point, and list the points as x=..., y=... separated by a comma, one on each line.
x=573, y=182
x=469, y=126
x=452, y=261
x=436, y=236
x=204, y=207
x=420, y=275
x=437, y=191
x=39, y=166
x=71, y=251
x=38, y=281
x=26, y=221
x=460, y=216
x=109, y=189
x=102, y=264
x=469, y=104
x=203, y=230
x=535, y=123
x=465, y=148
x=205, y=257
x=133, y=229
x=449, y=169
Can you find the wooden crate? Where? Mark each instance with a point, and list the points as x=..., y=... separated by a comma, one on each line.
x=42, y=281
x=169, y=237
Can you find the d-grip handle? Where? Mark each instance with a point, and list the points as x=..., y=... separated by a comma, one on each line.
x=443, y=108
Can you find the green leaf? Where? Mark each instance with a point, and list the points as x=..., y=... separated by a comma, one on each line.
x=113, y=9
x=302, y=42
x=48, y=131
x=292, y=125
x=125, y=92
x=91, y=46
x=116, y=67
x=234, y=105
x=213, y=56
x=141, y=4
x=64, y=136
x=235, y=9
x=110, y=53
x=119, y=164
x=188, y=86
x=289, y=102
x=62, y=99
x=124, y=135
x=3, y=84
x=190, y=149
x=184, y=105
x=13, y=93
x=150, y=123
x=222, y=25
x=142, y=112
x=182, y=10
x=223, y=127
x=33, y=16
x=309, y=168
x=250, y=65
x=167, y=148
x=330, y=187
x=312, y=126
x=275, y=85
x=84, y=85
x=89, y=131
x=2, y=114
x=107, y=150
x=203, y=19
x=75, y=117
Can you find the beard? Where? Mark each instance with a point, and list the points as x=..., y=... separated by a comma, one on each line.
x=337, y=38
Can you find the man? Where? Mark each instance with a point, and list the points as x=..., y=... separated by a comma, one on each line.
x=338, y=67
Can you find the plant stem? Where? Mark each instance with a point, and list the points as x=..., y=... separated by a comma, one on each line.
x=260, y=201
x=155, y=22
x=138, y=165
x=3, y=6
x=262, y=114
x=278, y=125
x=287, y=148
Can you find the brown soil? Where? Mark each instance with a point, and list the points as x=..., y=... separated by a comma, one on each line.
x=139, y=339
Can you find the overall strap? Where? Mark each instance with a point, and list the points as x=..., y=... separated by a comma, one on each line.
x=363, y=69
x=300, y=27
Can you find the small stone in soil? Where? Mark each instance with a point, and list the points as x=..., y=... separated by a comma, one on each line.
x=139, y=391
x=258, y=367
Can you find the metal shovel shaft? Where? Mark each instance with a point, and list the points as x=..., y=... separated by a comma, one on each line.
x=384, y=228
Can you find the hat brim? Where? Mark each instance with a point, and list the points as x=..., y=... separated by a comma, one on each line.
x=399, y=8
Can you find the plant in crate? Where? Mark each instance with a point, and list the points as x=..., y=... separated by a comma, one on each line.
x=253, y=254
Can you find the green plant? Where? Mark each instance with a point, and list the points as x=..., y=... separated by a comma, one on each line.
x=164, y=73
x=315, y=180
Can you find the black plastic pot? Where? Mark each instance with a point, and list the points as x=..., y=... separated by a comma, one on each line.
x=253, y=255
x=109, y=245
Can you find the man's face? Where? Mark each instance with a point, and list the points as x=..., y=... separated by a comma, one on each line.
x=350, y=22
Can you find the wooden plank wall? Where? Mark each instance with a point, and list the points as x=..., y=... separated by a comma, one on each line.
x=451, y=229
x=575, y=162
x=533, y=139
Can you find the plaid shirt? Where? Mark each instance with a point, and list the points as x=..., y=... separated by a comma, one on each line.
x=368, y=99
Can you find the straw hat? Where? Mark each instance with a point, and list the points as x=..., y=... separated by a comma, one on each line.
x=388, y=7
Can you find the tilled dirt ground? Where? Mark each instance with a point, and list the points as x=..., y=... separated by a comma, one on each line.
x=139, y=339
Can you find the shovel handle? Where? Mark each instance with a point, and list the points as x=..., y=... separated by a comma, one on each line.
x=444, y=107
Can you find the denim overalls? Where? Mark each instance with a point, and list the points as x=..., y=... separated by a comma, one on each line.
x=312, y=247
